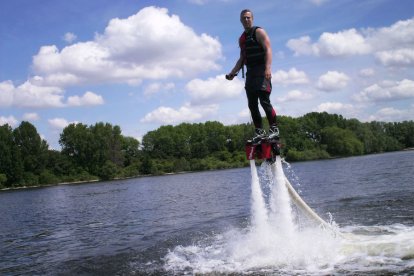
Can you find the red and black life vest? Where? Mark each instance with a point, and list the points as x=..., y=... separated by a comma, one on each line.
x=253, y=52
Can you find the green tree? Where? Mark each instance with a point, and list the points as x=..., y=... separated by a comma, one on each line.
x=90, y=147
x=198, y=145
x=108, y=171
x=32, y=148
x=294, y=135
x=130, y=150
x=11, y=164
x=408, y=130
x=403, y=132
x=379, y=136
x=313, y=123
x=106, y=145
x=237, y=135
x=47, y=177
x=60, y=164
x=3, y=179
x=159, y=143
x=216, y=136
x=362, y=132
x=147, y=166
x=341, y=142
x=76, y=141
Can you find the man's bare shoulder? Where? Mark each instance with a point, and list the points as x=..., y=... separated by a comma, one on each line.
x=261, y=34
x=261, y=31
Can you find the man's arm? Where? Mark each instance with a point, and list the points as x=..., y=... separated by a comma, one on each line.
x=264, y=40
x=236, y=68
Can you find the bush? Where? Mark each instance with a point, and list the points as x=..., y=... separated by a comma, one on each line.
x=131, y=170
x=30, y=179
x=84, y=176
x=108, y=171
x=46, y=177
x=341, y=142
x=181, y=165
x=3, y=180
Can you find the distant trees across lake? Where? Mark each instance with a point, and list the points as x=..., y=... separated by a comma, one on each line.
x=101, y=152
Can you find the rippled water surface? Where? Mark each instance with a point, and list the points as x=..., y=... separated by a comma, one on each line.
x=189, y=223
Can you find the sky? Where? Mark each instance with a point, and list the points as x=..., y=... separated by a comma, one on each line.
x=144, y=64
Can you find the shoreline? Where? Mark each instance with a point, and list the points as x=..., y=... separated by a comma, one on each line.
x=50, y=185
x=88, y=181
x=164, y=174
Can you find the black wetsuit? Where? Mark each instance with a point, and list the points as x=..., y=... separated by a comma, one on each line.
x=257, y=86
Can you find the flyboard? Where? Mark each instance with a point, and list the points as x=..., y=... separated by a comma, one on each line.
x=268, y=150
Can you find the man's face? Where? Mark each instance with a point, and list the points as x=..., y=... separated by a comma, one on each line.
x=247, y=20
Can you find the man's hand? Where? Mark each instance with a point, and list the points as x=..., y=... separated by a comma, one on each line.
x=230, y=76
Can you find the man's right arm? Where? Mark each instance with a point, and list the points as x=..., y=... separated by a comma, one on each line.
x=236, y=68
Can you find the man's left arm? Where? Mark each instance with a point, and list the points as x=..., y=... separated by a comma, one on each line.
x=264, y=40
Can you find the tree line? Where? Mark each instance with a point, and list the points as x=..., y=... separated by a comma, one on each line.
x=100, y=151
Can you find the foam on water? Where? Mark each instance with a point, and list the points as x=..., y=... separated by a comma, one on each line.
x=275, y=242
x=370, y=248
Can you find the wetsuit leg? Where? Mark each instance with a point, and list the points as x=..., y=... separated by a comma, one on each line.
x=267, y=107
x=252, y=99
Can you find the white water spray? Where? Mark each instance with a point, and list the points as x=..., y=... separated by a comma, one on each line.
x=272, y=240
x=277, y=242
x=280, y=201
x=258, y=207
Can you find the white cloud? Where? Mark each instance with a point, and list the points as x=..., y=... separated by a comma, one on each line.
x=6, y=93
x=245, y=113
x=344, y=43
x=150, y=44
x=186, y=113
x=293, y=76
x=294, y=95
x=31, y=117
x=69, y=37
x=399, y=57
x=335, y=107
x=332, y=81
x=348, y=42
x=391, y=114
x=89, y=98
x=30, y=95
x=59, y=123
x=156, y=87
x=399, y=35
x=392, y=46
x=75, y=64
x=214, y=90
x=302, y=46
x=10, y=120
x=367, y=72
x=387, y=91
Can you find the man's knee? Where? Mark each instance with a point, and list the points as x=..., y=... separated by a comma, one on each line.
x=265, y=103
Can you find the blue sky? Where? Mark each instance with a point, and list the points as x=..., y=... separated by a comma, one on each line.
x=143, y=64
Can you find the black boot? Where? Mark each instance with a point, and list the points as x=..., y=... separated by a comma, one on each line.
x=260, y=133
x=273, y=132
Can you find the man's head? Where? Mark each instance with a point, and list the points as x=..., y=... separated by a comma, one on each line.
x=246, y=18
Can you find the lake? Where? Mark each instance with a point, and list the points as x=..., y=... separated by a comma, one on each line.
x=204, y=222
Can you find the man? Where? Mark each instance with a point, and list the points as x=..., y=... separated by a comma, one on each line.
x=256, y=54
